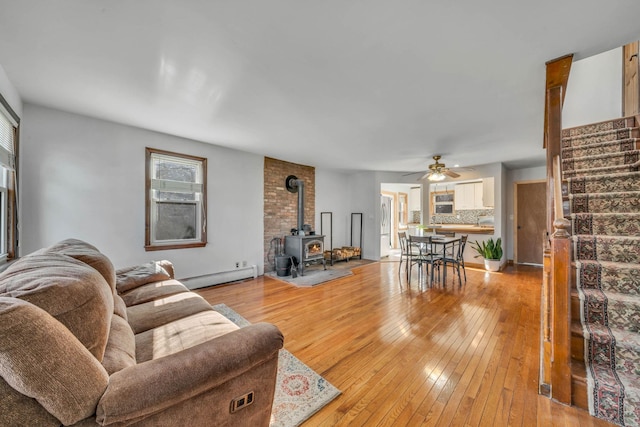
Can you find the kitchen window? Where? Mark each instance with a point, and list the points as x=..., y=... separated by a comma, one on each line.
x=176, y=200
x=442, y=203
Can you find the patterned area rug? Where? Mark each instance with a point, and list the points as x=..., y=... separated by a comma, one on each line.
x=312, y=277
x=300, y=391
x=316, y=275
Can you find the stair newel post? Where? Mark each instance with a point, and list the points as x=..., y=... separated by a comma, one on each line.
x=561, y=294
x=555, y=352
x=561, y=311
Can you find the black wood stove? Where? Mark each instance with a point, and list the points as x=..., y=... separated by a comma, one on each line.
x=304, y=248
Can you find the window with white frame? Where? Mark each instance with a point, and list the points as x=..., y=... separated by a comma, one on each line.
x=176, y=200
x=9, y=122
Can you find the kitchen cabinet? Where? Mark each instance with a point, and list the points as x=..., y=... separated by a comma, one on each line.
x=415, y=203
x=477, y=195
x=488, y=193
x=464, y=196
x=473, y=196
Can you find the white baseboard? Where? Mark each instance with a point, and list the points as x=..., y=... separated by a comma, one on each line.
x=220, y=277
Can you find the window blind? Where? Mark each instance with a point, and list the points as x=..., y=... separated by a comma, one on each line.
x=7, y=146
x=176, y=186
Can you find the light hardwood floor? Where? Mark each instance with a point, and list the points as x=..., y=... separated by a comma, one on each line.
x=408, y=355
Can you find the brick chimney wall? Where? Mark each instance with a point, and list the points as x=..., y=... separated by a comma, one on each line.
x=281, y=206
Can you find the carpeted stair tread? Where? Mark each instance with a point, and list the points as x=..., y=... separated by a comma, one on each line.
x=600, y=127
x=625, y=344
x=608, y=276
x=627, y=223
x=601, y=160
x=619, y=388
x=605, y=183
x=601, y=148
x=600, y=170
x=632, y=398
x=594, y=138
x=607, y=248
x=612, y=309
x=626, y=201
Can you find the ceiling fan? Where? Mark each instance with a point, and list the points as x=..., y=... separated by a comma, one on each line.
x=438, y=171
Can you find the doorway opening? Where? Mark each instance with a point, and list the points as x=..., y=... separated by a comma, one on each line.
x=401, y=210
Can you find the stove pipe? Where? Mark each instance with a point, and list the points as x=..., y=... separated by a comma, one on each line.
x=300, y=204
x=295, y=185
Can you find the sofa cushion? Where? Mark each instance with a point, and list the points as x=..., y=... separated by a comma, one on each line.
x=131, y=277
x=152, y=314
x=41, y=359
x=153, y=291
x=168, y=267
x=119, y=307
x=121, y=347
x=89, y=254
x=181, y=334
x=68, y=289
x=16, y=409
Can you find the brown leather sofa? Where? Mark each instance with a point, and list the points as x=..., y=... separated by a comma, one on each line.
x=82, y=344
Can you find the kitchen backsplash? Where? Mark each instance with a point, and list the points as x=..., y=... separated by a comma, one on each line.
x=461, y=217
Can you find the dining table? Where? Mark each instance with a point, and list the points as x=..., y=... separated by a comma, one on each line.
x=439, y=245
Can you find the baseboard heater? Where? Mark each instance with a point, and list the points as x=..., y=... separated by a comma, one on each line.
x=221, y=277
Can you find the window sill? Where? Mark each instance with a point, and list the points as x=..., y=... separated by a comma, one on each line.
x=174, y=246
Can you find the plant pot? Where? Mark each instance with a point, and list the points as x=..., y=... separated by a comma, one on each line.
x=492, y=264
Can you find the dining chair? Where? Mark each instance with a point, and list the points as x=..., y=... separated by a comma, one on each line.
x=404, y=253
x=454, y=255
x=425, y=256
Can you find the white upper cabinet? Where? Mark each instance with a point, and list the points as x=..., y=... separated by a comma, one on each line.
x=474, y=195
x=477, y=195
x=414, y=199
x=488, y=198
x=465, y=196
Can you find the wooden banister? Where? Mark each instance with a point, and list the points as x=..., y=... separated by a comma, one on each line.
x=555, y=364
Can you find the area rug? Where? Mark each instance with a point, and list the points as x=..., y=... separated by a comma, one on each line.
x=312, y=277
x=300, y=391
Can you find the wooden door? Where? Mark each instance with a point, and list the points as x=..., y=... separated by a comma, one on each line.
x=631, y=86
x=530, y=221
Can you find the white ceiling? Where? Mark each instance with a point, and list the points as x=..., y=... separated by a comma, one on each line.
x=365, y=85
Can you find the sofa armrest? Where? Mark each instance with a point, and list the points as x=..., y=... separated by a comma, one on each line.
x=141, y=390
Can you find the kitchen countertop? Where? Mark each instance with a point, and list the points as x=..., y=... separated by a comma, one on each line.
x=461, y=228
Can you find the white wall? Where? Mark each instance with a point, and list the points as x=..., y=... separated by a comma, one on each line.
x=333, y=195
x=9, y=93
x=365, y=199
x=84, y=178
x=594, y=90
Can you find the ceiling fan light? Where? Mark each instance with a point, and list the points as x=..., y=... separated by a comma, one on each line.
x=436, y=176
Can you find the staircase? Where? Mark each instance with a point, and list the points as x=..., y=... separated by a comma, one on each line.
x=601, y=164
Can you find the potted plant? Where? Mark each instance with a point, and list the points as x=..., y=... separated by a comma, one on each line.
x=491, y=252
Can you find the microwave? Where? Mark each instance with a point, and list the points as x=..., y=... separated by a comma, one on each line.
x=443, y=203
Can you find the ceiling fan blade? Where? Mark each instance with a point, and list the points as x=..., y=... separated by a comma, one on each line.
x=424, y=176
x=451, y=174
